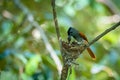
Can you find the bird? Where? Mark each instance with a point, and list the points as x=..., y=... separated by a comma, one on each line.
x=79, y=36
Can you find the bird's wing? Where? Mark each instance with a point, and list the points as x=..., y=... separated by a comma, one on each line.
x=83, y=36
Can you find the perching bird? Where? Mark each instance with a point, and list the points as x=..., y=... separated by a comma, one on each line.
x=72, y=32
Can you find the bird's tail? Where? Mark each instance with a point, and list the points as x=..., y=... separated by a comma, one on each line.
x=91, y=53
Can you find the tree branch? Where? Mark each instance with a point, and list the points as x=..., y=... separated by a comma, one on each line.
x=70, y=52
x=104, y=33
x=110, y=5
x=55, y=18
x=35, y=24
x=66, y=66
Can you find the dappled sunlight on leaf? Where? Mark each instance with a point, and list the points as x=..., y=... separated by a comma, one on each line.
x=32, y=65
x=25, y=54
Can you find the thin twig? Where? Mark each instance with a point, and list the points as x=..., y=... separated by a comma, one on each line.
x=64, y=72
x=64, y=53
x=104, y=33
x=70, y=55
x=65, y=68
x=44, y=37
x=48, y=46
x=55, y=19
x=113, y=7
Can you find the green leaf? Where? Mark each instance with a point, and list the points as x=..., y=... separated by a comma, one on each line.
x=32, y=65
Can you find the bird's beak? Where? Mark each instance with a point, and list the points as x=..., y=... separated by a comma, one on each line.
x=69, y=39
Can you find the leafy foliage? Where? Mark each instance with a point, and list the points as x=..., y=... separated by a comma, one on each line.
x=24, y=55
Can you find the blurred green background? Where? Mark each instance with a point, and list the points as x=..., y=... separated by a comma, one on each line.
x=23, y=52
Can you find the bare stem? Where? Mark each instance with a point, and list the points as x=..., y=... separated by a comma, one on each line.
x=67, y=66
x=104, y=33
x=35, y=24
x=55, y=18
